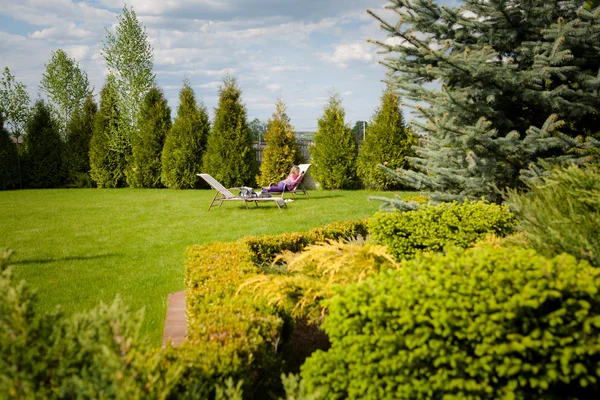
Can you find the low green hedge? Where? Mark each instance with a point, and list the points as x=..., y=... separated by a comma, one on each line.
x=263, y=249
x=484, y=323
x=432, y=227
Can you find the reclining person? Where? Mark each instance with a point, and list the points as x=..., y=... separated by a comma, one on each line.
x=288, y=184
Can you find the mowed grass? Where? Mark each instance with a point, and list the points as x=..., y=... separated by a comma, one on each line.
x=78, y=247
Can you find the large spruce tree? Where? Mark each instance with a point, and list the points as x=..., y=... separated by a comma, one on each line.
x=9, y=159
x=515, y=83
x=185, y=143
x=145, y=163
x=388, y=141
x=77, y=151
x=108, y=147
x=43, y=149
x=282, y=151
x=335, y=151
x=230, y=157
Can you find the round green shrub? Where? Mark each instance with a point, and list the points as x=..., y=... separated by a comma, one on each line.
x=480, y=324
x=432, y=227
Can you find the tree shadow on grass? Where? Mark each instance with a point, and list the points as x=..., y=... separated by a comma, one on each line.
x=51, y=260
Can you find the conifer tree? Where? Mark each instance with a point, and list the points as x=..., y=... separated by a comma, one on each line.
x=9, y=159
x=185, y=143
x=519, y=82
x=282, y=151
x=145, y=165
x=388, y=142
x=229, y=157
x=43, y=149
x=77, y=151
x=108, y=148
x=335, y=151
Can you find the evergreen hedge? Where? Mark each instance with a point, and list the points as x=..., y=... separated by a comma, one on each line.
x=388, y=142
x=335, y=150
x=79, y=135
x=9, y=159
x=432, y=227
x=282, y=151
x=44, y=157
x=108, y=147
x=145, y=164
x=185, y=143
x=230, y=157
x=484, y=323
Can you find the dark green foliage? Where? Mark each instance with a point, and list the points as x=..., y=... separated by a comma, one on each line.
x=433, y=227
x=561, y=213
x=77, y=151
x=282, y=151
x=43, y=150
x=108, y=147
x=335, y=150
x=359, y=131
x=229, y=157
x=388, y=142
x=185, y=143
x=482, y=324
x=145, y=163
x=9, y=159
x=519, y=81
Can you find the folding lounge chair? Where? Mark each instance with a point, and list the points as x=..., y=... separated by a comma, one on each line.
x=299, y=189
x=224, y=194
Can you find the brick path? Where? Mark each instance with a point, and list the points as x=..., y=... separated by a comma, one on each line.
x=175, y=322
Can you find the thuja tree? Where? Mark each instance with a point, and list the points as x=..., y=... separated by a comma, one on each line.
x=229, y=157
x=185, y=143
x=79, y=135
x=335, y=151
x=43, y=149
x=388, y=141
x=108, y=147
x=9, y=160
x=519, y=82
x=145, y=163
x=282, y=150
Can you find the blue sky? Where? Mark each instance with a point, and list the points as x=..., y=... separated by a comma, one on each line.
x=298, y=50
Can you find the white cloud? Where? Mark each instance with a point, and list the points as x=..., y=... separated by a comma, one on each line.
x=211, y=85
x=347, y=93
x=347, y=52
x=69, y=31
x=273, y=87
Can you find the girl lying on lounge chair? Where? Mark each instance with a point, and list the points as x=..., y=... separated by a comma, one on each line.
x=290, y=183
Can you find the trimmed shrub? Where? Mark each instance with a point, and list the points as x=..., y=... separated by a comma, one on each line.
x=230, y=157
x=561, y=213
x=388, y=142
x=264, y=249
x=282, y=151
x=43, y=149
x=432, y=227
x=185, y=143
x=482, y=323
x=334, y=152
x=145, y=164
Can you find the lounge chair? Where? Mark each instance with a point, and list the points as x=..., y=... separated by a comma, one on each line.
x=224, y=194
x=299, y=189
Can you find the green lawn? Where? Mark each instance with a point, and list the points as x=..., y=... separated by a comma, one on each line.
x=81, y=246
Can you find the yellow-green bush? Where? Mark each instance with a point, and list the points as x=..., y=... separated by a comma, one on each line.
x=483, y=323
x=432, y=227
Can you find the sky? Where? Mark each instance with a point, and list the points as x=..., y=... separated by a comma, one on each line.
x=298, y=50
